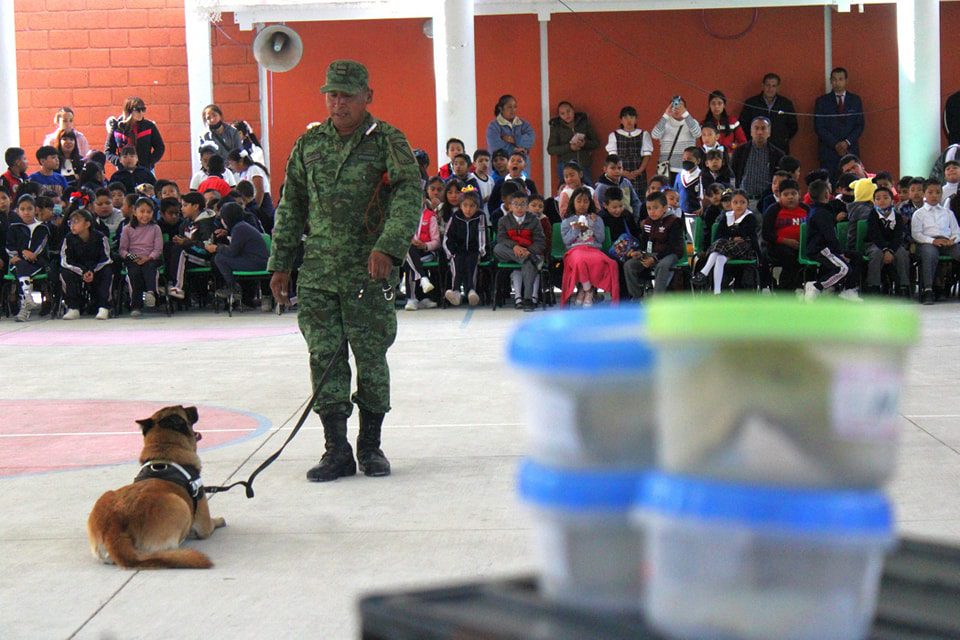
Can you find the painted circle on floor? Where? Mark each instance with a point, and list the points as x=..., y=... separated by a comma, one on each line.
x=140, y=337
x=58, y=435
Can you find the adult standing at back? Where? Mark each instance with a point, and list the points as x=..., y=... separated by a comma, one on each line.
x=354, y=182
x=676, y=130
x=507, y=131
x=572, y=139
x=779, y=110
x=133, y=128
x=226, y=137
x=839, y=122
x=64, y=121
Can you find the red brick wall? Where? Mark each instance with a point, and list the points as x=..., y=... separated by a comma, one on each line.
x=93, y=54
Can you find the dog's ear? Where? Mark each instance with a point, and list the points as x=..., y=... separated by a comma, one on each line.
x=192, y=415
x=146, y=424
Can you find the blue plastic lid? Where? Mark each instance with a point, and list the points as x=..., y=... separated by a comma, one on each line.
x=800, y=510
x=578, y=490
x=584, y=341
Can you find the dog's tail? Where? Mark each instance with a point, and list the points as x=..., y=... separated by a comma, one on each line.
x=120, y=547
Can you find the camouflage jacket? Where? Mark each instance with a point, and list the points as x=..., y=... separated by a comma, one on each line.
x=331, y=189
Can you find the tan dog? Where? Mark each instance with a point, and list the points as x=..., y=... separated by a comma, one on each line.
x=142, y=524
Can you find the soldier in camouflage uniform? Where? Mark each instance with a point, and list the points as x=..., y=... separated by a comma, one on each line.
x=353, y=181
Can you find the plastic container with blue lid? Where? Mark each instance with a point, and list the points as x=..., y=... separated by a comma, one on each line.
x=730, y=560
x=589, y=550
x=590, y=397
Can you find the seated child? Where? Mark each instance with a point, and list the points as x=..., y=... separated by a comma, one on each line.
x=736, y=240
x=613, y=177
x=660, y=247
x=623, y=230
x=481, y=173
x=823, y=246
x=461, y=171
x=464, y=242
x=714, y=205
x=85, y=262
x=117, y=193
x=537, y=206
x=455, y=147
x=130, y=174
x=27, y=240
x=141, y=248
x=515, y=171
x=710, y=141
x=452, y=195
x=423, y=247
x=247, y=250
x=717, y=172
x=888, y=239
x=585, y=265
x=196, y=231
x=951, y=177
x=934, y=228
x=572, y=180
x=167, y=189
x=520, y=239
x=913, y=201
x=781, y=233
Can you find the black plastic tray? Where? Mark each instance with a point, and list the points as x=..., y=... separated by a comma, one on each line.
x=919, y=600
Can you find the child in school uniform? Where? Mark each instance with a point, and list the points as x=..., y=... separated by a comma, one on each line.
x=464, y=242
x=585, y=266
x=423, y=247
x=736, y=240
x=660, y=243
x=520, y=239
x=85, y=262
x=888, y=242
x=633, y=146
x=141, y=248
x=27, y=240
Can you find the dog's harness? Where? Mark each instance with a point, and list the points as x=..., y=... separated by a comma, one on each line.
x=187, y=477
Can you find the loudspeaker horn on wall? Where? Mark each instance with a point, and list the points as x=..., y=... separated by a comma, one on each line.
x=278, y=48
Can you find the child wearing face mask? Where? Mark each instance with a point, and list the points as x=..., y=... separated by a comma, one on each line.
x=224, y=135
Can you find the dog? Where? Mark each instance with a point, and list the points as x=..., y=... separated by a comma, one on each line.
x=141, y=525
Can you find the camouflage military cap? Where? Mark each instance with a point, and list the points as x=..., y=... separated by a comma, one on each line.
x=345, y=76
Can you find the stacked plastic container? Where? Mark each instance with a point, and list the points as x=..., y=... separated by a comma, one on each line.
x=778, y=429
x=740, y=494
x=590, y=416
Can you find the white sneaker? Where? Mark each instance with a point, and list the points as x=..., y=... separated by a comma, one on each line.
x=266, y=304
x=425, y=285
x=103, y=313
x=427, y=303
x=71, y=314
x=473, y=298
x=136, y=313
x=766, y=291
x=149, y=300
x=810, y=292
x=24, y=314
x=453, y=297
x=850, y=295
x=32, y=304
x=175, y=292
x=411, y=305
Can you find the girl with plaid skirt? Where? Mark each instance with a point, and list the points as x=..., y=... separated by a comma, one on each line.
x=736, y=240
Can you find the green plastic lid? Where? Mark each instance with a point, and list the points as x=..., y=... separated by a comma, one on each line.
x=753, y=318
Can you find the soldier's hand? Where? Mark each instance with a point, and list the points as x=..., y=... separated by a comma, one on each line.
x=379, y=265
x=280, y=287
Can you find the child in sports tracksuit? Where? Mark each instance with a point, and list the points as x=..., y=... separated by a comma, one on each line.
x=823, y=246
x=423, y=245
x=464, y=241
x=85, y=260
x=27, y=240
x=199, y=224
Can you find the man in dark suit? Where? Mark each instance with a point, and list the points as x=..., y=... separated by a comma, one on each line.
x=776, y=108
x=838, y=121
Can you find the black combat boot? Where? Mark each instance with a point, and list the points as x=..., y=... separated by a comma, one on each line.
x=337, y=460
x=369, y=456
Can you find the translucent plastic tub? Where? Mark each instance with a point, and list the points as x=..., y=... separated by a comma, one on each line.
x=751, y=563
x=589, y=396
x=588, y=549
x=775, y=390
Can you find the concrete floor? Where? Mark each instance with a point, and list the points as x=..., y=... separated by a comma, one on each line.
x=292, y=562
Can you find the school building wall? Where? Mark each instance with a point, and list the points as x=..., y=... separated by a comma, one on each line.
x=92, y=54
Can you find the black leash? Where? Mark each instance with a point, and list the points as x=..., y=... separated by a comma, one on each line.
x=248, y=483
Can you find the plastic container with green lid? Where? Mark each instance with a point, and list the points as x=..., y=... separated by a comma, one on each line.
x=590, y=387
x=776, y=390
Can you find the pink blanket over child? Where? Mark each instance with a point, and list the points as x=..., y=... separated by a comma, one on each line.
x=589, y=264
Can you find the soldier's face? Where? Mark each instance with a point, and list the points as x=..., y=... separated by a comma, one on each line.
x=347, y=111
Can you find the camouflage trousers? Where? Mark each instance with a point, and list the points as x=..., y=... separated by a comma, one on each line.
x=370, y=324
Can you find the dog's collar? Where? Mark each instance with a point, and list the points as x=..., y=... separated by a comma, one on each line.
x=186, y=476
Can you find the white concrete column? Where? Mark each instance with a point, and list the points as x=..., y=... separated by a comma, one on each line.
x=266, y=111
x=549, y=179
x=828, y=45
x=199, y=73
x=9, y=103
x=918, y=50
x=454, y=67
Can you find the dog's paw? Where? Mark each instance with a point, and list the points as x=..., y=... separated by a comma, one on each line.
x=219, y=522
